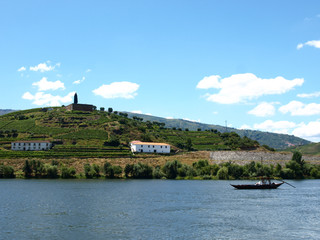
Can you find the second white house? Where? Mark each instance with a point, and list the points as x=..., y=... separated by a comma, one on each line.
x=149, y=147
x=31, y=145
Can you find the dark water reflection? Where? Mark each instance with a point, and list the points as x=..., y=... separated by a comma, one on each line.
x=156, y=209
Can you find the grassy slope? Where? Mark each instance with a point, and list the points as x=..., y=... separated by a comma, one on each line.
x=309, y=149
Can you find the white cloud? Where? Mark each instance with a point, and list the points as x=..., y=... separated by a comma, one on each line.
x=43, y=67
x=88, y=70
x=277, y=127
x=264, y=109
x=313, y=43
x=296, y=108
x=126, y=90
x=299, y=46
x=44, y=85
x=310, y=131
x=137, y=111
x=28, y=96
x=209, y=82
x=169, y=118
x=190, y=120
x=245, y=126
x=22, y=69
x=309, y=95
x=42, y=99
x=79, y=81
x=242, y=87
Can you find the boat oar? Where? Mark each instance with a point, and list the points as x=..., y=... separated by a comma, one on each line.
x=288, y=184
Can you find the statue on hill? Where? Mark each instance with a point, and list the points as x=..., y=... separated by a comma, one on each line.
x=75, y=99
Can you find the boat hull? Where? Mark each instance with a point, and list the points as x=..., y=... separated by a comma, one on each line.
x=254, y=186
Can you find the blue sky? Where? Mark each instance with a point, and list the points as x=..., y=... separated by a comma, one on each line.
x=254, y=64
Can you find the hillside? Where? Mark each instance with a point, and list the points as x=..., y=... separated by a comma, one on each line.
x=103, y=134
x=309, y=149
x=274, y=140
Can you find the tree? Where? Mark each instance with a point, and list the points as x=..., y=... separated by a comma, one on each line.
x=128, y=170
x=117, y=170
x=189, y=144
x=142, y=171
x=6, y=171
x=223, y=173
x=67, y=172
x=107, y=169
x=170, y=169
x=297, y=157
x=110, y=110
x=27, y=169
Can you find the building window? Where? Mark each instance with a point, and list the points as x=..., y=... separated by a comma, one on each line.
x=148, y=146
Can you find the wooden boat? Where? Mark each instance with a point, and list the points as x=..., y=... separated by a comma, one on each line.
x=254, y=186
x=263, y=184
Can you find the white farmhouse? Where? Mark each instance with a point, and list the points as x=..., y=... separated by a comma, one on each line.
x=149, y=147
x=31, y=145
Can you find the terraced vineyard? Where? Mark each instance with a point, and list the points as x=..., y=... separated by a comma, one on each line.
x=102, y=134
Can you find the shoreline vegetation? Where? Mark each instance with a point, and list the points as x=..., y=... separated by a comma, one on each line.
x=296, y=168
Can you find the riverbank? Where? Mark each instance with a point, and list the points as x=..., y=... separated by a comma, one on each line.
x=192, y=165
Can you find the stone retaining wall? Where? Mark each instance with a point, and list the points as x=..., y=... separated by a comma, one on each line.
x=243, y=157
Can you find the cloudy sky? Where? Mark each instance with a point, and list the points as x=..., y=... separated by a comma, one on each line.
x=254, y=64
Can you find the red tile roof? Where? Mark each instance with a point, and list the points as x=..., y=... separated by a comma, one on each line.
x=149, y=143
x=30, y=141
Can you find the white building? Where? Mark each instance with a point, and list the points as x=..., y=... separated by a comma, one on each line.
x=149, y=147
x=31, y=145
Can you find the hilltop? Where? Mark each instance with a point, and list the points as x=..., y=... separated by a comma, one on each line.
x=274, y=140
x=104, y=134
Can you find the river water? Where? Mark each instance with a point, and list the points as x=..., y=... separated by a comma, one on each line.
x=156, y=209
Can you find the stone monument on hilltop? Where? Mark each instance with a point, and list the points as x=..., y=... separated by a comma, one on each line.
x=75, y=98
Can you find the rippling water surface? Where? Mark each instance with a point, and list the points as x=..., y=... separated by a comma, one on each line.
x=156, y=209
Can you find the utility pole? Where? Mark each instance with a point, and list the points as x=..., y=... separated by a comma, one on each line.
x=226, y=126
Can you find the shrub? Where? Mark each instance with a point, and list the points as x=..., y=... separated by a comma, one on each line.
x=51, y=171
x=128, y=170
x=157, y=173
x=6, y=171
x=142, y=170
x=27, y=169
x=67, y=172
x=170, y=169
x=223, y=173
x=89, y=171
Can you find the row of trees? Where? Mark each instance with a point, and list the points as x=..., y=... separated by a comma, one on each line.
x=297, y=168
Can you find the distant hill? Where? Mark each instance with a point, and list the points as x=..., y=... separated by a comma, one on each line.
x=274, y=140
x=5, y=111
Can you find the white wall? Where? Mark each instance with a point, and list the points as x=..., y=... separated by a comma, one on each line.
x=149, y=148
x=30, y=146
